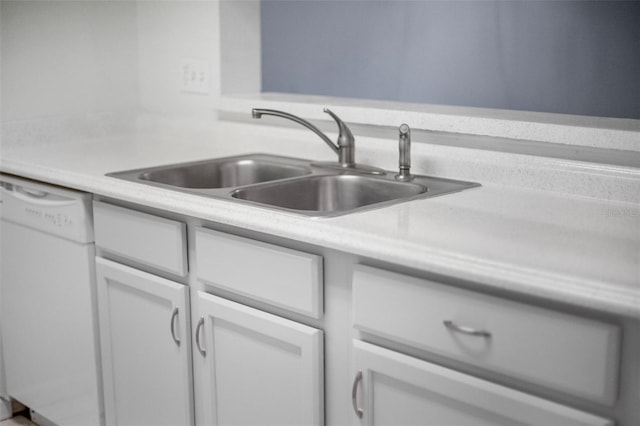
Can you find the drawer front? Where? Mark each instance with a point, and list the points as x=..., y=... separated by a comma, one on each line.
x=276, y=275
x=571, y=354
x=148, y=239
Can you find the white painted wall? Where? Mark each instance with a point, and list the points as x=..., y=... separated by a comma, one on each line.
x=67, y=58
x=169, y=32
x=62, y=59
x=240, y=47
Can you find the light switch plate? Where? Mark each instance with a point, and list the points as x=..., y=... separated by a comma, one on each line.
x=194, y=76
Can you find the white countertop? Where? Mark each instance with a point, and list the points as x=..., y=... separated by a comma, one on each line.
x=566, y=248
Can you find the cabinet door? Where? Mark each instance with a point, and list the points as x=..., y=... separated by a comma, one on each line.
x=390, y=388
x=260, y=369
x=145, y=339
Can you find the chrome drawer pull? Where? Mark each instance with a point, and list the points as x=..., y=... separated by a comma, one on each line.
x=466, y=330
x=354, y=394
x=174, y=317
x=198, y=327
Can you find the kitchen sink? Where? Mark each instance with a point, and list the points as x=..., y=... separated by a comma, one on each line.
x=291, y=184
x=221, y=173
x=332, y=193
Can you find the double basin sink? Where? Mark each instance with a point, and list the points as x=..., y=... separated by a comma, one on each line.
x=290, y=184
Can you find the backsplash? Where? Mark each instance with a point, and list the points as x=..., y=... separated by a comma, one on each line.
x=55, y=130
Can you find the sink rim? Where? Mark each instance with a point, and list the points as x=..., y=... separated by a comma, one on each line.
x=435, y=186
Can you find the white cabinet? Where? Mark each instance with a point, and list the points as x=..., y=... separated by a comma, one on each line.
x=569, y=353
x=259, y=369
x=145, y=339
x=221, y=362
x=248, y=367
x=394, y=389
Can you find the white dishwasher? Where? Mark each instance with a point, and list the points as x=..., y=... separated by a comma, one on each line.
x=48, y=306
x=5, y=404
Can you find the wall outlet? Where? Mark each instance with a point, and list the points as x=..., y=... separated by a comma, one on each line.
x=194, y=76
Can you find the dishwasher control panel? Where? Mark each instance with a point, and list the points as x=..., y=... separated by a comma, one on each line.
x=59, y=211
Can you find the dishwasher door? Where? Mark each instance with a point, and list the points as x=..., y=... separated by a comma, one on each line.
x=48, y=302
x=5, y=404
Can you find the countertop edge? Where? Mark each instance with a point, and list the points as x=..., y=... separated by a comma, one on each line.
x=590, y=294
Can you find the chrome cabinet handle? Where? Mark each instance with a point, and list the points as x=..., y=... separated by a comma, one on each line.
x=172, y=325
x=466, y=330
x=198, y=327
x=354, y=394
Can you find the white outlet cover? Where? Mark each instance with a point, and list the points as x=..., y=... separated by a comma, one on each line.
x=195, y=76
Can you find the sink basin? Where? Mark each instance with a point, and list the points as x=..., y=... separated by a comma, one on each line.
x=290, y=184
x=220, y=173
x=327, y=194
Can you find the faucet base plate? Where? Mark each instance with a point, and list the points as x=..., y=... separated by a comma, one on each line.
x=354, y=168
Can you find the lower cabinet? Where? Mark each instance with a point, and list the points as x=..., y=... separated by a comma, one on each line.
x=173, y=354
x=260, y=369
x=145, y=340
x=391, y=388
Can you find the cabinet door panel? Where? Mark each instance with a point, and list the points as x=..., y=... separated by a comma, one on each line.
x=400, y=390
x=147, y=374
x=262, y=369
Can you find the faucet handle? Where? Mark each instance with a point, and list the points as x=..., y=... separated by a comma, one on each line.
x=346, y=141
x=345, y=137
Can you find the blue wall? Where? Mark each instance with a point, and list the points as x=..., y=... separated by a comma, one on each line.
x=569, y=57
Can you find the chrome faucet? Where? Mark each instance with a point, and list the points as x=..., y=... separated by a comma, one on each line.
x=404, y=158
x=345, y=148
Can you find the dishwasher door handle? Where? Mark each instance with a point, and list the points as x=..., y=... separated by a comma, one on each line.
x=34, y=192
x=37, y=197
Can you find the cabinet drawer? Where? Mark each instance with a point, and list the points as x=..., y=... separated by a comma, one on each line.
x=572, y=354
x=148, y=239
x=276, y=275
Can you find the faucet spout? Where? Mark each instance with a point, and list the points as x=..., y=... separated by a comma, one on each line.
x=345, y=148
x=258, y=113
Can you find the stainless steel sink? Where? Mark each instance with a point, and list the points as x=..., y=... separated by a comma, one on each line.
x=327, y=194
x=220, y=173
x=291, y=184
x=225, y=174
